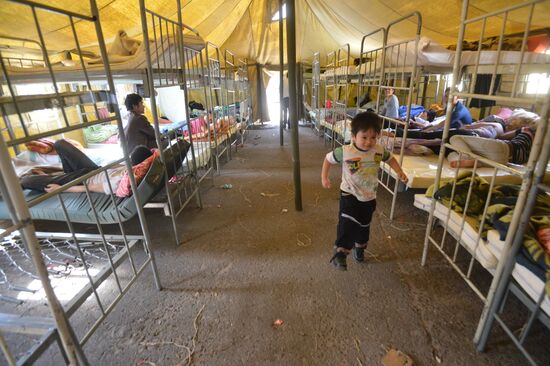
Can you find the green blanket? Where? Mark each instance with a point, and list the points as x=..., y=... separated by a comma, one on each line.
x=499, y=212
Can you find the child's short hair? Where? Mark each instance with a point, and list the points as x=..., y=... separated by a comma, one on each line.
x=132, y=100
x=365, y=121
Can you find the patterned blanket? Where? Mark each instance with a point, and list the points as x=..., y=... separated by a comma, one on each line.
x=499, y=214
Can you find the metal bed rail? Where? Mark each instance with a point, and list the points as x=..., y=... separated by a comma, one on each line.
x=216, y=101
x=316, y=90
x=196, y=73
x=20, y=236
x=245, y=107
x=397, y=77
x=330, y=91
x=371, y=69
x=231, y=91
x=336, y=87
x=167, y=71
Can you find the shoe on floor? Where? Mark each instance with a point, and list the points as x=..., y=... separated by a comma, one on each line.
x=339, y=261
x=358, y=254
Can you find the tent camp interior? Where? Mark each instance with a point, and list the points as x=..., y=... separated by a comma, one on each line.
x=203, y=69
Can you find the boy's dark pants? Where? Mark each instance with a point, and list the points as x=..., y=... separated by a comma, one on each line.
x=354, y=221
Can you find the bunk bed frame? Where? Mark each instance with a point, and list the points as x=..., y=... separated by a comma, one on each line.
x=245, y=104
x=316, y=92
x=196, y=80
x=493, y=254
x=334, y=123
x=32, y=253
x=181, y=183
x=396, y=77
x=370, y=77
x=216, y=103
x=231, y=98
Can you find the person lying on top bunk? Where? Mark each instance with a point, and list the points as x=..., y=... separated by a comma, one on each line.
x=460, y=117
x=138, y=131
x=76, y=164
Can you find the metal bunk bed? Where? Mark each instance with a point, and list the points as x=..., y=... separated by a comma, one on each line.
x=468, y=240
x=231, y=91
x=100, y=260
x=196, y=85
x=245, y=103
x=316, y=91
x=403, y=82
x=515, y=277
x=216, y=101
x=335, y=124
x=166, y=73
x=371, y=70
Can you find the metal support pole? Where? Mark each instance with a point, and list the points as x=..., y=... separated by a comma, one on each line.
x=299, y=93
x=291, y=55
x=259, y=103
x=281, y=71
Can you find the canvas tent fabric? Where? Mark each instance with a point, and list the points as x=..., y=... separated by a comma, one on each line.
x=246, y=27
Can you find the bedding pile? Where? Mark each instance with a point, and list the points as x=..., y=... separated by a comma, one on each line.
x=535, y=252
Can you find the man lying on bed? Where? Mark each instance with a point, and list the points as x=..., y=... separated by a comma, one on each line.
x=460, y=117
x=76, y=164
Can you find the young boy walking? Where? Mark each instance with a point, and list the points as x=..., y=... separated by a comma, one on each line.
x=360, y=164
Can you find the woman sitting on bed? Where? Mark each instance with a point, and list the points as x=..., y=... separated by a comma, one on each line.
x=391, y=105
x=76, y=164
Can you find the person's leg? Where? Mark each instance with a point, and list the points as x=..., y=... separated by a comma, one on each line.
x=344, y=233
x=40, y=182
x=73, y=159
x=495, y=150
x=286, y=112
x=362, y=239
x=36, y=182
x=432, y=135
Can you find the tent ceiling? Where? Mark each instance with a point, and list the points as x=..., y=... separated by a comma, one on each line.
x=245, y=26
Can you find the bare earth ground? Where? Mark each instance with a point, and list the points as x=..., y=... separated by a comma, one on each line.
x=244, y=264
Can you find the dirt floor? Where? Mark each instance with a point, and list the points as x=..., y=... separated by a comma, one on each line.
x=251, y=283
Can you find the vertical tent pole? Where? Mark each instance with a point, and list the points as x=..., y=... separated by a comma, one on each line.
x=281, y=70
x=291, y=56
x=259, y=106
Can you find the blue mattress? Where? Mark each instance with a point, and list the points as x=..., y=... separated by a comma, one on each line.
x=173, y=126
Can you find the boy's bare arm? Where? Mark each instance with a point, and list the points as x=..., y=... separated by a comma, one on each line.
x=395, y=166
x=325, y=181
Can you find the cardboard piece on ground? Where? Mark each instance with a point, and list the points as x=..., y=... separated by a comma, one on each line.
x=396, y=358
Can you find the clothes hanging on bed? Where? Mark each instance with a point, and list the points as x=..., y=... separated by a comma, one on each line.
x=483, y=84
